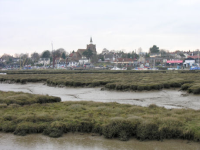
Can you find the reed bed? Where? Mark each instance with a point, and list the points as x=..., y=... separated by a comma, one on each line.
x=15, y=99
x=139, y=81
x=112, y=120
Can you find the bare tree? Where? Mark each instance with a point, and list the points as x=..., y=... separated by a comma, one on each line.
x=24, y=58
x=7, y=58
x=56, y=54
x=62, y=50
x=17, y=55
x=139, y=51
x=35, y=56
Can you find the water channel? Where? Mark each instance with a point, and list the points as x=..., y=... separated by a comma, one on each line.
x=167, y=98
x=172, y=98
x=76, y=141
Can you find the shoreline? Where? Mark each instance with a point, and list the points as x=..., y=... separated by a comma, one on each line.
x=87, y=142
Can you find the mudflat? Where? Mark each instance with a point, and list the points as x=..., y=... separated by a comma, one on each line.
x=168, y=98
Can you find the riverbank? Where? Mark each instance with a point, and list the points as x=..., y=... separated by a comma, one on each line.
x=74, y=141
x=112, y=120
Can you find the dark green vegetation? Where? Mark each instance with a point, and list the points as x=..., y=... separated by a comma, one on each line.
x=20, y=98
x=112, y=120
x=128, y=80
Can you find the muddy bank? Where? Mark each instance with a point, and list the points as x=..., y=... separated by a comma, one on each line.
x=87, y=142
x=164, y=98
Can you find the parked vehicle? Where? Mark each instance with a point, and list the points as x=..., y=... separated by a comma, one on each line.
x=116, y=68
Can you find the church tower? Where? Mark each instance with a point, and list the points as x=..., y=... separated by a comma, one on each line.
x=91, y=40
x=92, y=46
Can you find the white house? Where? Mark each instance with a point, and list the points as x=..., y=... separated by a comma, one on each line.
x=44, y=61
x=155, y=55
x=189, y=62
x=83, y=61
x=109, y=57
x=72, y=64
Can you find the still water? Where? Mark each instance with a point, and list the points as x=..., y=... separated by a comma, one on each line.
x=76, y=141
x=165, y=98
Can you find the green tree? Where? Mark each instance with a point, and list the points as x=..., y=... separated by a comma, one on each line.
x=63, y=56
x=46, y=54
x=123, y=55
x=100, y=56
x=154, y=49
x=147, y=55
x=88, y=53
x=134, y=55
x=128, y=55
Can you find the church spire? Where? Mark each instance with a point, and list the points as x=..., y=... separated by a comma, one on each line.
x=90, y=40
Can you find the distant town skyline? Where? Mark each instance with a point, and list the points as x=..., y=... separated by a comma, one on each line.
x=30, y=26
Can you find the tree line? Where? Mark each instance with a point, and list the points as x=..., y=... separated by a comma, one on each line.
x=34, y=57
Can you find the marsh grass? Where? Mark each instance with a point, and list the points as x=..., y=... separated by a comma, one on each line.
x=195, y=88
x=13, y=99
x=112, y=120
x=3, y=105
x=23, y=113
x=128, y=80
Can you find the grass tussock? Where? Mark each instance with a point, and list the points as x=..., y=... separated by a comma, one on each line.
x=14, y=99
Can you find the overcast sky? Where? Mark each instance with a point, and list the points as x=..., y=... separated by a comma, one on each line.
x=27, y=26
